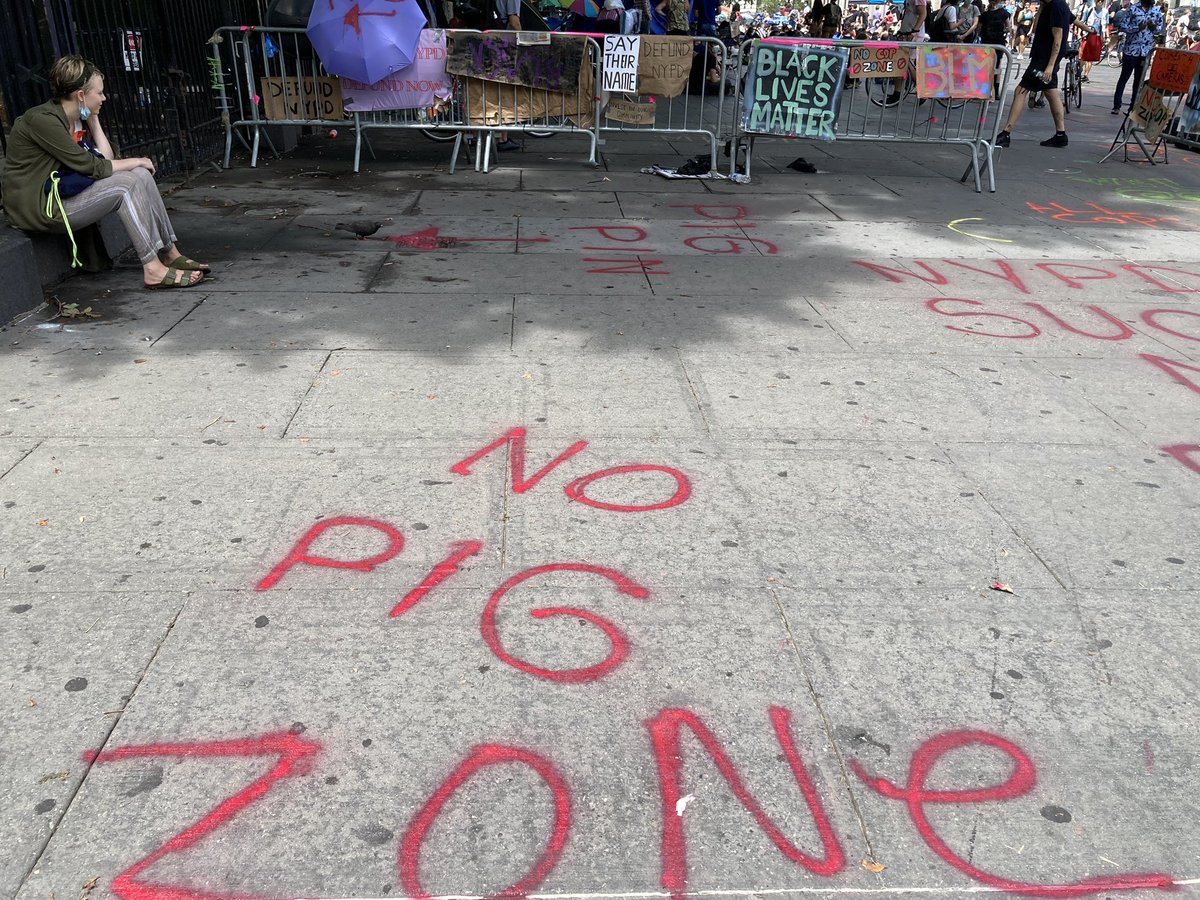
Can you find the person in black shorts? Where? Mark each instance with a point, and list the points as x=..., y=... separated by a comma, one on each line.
x=1025, y=19
x=1050, y=30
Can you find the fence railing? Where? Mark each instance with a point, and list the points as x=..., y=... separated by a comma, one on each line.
x=1166, y=107
x=266, y=77
x=889, y=95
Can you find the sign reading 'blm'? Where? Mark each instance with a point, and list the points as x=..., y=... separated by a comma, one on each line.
x=794, y=91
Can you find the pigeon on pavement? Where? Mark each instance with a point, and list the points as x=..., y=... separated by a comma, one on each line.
x=361, y=229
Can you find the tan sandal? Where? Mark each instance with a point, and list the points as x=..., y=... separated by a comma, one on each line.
x=175, y=278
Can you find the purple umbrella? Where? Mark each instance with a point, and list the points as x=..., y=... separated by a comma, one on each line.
x=366, y=40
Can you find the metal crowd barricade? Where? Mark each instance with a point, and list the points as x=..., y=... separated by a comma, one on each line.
x=246, y=60
x=699, y=109
x=1169, y=96
x=864, y=115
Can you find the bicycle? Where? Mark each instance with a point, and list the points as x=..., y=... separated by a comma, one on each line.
x=1112, y=57
x=1072, y=80
x=879, y=89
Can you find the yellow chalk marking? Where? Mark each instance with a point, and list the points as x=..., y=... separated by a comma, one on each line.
x=953, y=226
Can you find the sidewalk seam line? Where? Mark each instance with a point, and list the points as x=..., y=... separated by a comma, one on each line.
x=692, y=389
x=87, y=770
x=829, y=736
x=28, y=454
x=312, y=384
x=195, y=306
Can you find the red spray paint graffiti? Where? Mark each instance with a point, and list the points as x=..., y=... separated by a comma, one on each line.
x=916, y=796
x=299, y=554
x=479, y=758
x=459, y=551
x=668, y=752
x=620, y=644
x=295, y=757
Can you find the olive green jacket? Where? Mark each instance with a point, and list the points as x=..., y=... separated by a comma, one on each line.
x=40, y=143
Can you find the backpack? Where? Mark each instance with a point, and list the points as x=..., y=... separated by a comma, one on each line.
x=937, y=28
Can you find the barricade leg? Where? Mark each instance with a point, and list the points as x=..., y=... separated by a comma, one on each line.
x=458, y=139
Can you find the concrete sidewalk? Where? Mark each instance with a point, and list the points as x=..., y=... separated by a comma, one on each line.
x=596, y=535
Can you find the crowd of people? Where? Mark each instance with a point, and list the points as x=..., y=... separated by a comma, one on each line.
x=1008, y=23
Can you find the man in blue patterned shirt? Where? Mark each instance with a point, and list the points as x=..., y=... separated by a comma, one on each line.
x=1141, y=22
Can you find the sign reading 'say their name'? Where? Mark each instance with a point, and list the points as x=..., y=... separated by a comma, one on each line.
x=794, y=91
x=621, y=52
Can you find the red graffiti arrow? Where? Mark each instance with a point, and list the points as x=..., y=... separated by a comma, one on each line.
x=429, y=239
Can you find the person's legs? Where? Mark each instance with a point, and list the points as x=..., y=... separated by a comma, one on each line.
x=1016, y=107
x=1128, y=65
x=1139, y=67
x=138, y=203
x=1054, y=98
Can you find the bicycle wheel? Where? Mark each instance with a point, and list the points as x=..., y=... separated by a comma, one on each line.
x=1077, y=87
x=878, y=90
x=438, y=135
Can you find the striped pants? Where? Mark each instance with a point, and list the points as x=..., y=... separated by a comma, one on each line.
x=135, y=198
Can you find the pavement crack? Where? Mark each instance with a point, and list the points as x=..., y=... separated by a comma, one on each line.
x=312, y=384
x=26, y=456
x=384, y=259
x=195, y=306
x=828, y=726
x=649, y=281
x=695, y=396
x=93, y=756
x=1003, y=518
x=512, y=326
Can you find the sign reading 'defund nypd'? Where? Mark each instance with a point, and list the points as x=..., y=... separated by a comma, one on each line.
x=793, y=90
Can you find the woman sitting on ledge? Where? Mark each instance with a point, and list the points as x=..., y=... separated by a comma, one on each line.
x=60, y=176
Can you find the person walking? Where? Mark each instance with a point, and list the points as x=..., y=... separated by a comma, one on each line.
x=61, y=175
x=1141, y=23
x=1050, y=30
x=1093, y=21
x=912, y=28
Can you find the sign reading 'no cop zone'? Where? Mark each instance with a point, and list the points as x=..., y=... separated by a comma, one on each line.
x=794, y=91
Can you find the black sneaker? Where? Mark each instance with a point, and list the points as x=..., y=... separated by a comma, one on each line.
x=1039, y=104
x=1116, y=111
x=1059, y=140
x=1003, y=139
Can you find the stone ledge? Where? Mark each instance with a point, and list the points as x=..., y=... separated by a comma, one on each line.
x=33, y=262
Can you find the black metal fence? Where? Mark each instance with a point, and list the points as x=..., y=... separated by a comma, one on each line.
x=154, y=58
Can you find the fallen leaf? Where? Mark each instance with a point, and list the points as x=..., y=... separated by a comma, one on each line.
x=42, y=523
x=431, y=396
x=526, y=375
x=87, y=889
x=53, y=776
x=871, y=866
x=1007, y=588
x=335, y=373
x=32, y=702
x=137, y=361
x=82, y=519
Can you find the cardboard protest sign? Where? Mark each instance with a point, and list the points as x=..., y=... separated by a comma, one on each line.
x=630, y=111
x=960, y=73
x=1173, y=70
x=414, y=87
x=878, y=61
x=498, y=57
x=302, y=98
x=1189, y=111
x=794, y=91
x=492, y=103
x=620, y=69
x=664, y=64
x=1150, y=113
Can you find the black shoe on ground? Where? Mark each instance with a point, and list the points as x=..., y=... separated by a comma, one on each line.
x=1039, y=104
x=1085, y=79
x=510, y=144
x=1059, y=140
x=1003, y=139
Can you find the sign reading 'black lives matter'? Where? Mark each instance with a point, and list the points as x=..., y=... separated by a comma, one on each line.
x=793, y=90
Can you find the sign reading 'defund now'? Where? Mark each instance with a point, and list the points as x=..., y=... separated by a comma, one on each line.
x=794, y=90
